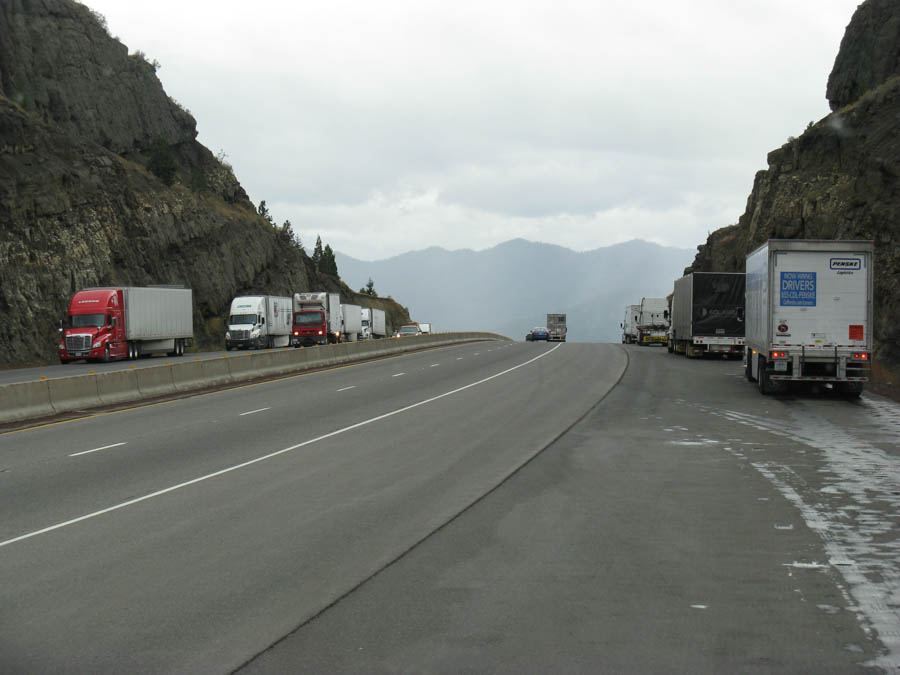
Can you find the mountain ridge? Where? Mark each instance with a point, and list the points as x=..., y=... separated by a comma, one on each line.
x=517, y=282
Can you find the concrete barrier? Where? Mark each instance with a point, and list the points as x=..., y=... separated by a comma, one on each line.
x=216, y=372
x=188, y=376
x=243, y=367
x=25, y=400
x=117, y=386
x=30, y=400
x=155, y=381
x=78, y=392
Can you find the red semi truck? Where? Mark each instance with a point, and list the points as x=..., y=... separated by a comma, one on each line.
x=126, y=322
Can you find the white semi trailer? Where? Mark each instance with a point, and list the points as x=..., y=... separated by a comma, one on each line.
x=373, y=323
x=352, y=318
x=258, y=322
x=809, y=314
x=629, y=324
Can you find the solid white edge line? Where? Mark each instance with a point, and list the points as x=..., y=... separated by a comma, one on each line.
x=105, y=447
x=250, y=412
x=221, y=472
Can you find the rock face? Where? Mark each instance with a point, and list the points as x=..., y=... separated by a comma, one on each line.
x=869, y=53
x=839, y=180
x=79, y=208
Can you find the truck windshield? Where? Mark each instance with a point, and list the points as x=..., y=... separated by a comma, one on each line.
x=307, y=318
x=87, y=320
x=236, y=319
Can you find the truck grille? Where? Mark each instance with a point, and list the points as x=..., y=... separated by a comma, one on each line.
x=78, y=343
x=240, y=335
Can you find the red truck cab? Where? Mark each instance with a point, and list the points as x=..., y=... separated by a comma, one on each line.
x=94, y=328
x=309, y=328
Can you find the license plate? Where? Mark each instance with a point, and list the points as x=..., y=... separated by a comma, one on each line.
x=781, y=366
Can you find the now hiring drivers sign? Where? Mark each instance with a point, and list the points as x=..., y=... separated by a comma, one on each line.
x=798, y=289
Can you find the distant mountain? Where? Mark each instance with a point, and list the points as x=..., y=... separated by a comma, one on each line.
x=511, y=287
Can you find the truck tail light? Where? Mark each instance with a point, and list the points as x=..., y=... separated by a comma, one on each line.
x=778, y=355
x=861, y=356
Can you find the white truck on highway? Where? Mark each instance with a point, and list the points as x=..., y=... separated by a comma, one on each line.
x=556, y=327
x=629, y=324
x=352, y=322
x=707, y=315
x=653, y=322
x=258, y=322
x=373, y=323
x=809, y=314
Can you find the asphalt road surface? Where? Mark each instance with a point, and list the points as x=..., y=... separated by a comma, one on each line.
x=489, y=508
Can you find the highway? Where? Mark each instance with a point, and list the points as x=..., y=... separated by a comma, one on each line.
x=505, y=507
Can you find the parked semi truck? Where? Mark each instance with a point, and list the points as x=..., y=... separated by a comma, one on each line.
x=707, y=314
x=258, y=322
x=352, y=322
x=373, y=323
x=317, y=319
x=653, y=323
x=629, y=324
x=556, y=327
x=126, y=322
x=809, y=314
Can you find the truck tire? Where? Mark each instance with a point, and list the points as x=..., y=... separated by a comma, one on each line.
x=850, y=389
x=762, y=378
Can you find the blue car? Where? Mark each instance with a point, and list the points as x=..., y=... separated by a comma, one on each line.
x=539, y=333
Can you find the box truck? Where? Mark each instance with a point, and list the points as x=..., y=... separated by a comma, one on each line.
x=373, y=323
x=126, y=322
x=629, y=324
x=809, y=314
x=258, y=322
x=425, y=327
x=707, y=314
x=556, y=327
x=317, y=319
x=653, y=323
x=352, y=326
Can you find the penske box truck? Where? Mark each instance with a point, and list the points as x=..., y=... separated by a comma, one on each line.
x=708, y=314
x=809, y=314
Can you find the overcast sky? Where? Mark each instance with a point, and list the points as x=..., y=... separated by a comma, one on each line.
x=393, y=126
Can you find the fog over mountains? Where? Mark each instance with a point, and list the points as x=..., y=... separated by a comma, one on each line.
x=511, y=287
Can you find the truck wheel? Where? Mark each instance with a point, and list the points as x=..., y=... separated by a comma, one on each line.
x=762, y=378
x=851, y=389
x=748, y=370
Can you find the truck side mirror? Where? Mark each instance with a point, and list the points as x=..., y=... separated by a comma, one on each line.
x=665, y=314
x=740, y=314
x=262, y=321
x=60, y=325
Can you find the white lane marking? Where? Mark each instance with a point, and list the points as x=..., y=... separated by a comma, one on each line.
x=242, y=465
x=477, y=353
x=352, y=386
x=105, y=447
x=459, y=358
x=434, y=365
x=250, y=412
x=398, y=375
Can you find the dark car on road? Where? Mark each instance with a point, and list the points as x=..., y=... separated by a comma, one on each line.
x=539, y=333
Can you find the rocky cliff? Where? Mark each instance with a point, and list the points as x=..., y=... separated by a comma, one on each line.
x=81, y=121
x=839, y=179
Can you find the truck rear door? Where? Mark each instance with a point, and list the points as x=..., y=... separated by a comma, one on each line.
x=820, y=299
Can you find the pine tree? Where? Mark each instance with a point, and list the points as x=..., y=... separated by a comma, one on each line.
x=328, y=265
x=317, y=253
x=263, y=210
x=370, y=288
